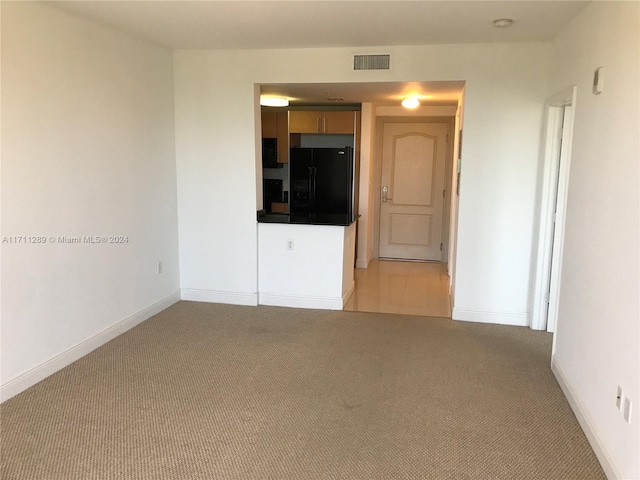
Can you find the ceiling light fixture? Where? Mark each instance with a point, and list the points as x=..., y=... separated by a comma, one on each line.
x=272, y=101
x=502, y=22
x=411, y=102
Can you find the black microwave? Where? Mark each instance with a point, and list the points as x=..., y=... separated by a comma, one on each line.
x=270, y=153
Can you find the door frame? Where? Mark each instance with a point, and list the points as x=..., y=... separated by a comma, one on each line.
x=377, y=157
x=558, y=134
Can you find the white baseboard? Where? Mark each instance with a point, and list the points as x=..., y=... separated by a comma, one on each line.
x=51, y=366
x=587, y=424
x=213, y=296
x=501, y=318
x=298, y=301
x=347, y=294
x=362, y=263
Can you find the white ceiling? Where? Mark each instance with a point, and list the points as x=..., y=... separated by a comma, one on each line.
x=312, y=23
x=267, y=24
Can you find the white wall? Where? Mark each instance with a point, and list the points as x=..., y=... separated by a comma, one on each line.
x=316, y=273
x=366, y=204
x=348, y=262
x=87, y=149
x=597, y=342
x=216, y=140
x=422, y=111
x=506, y=85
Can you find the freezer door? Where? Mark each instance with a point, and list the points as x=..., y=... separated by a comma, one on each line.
x=300, y=169
x=333, y=171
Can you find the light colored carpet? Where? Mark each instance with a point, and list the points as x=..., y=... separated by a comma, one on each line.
x=205, y=391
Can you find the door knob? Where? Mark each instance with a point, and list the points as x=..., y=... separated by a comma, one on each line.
x=385, y=193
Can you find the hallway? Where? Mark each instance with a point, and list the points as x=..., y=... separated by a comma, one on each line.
x=411, y=288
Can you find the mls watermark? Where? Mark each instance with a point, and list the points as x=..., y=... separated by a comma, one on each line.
x=65, y=239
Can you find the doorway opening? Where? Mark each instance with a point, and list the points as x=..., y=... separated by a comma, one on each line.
x=553, y=201
x=413, y=165
x=415, y=161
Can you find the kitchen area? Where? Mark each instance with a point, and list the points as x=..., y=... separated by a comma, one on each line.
x=287, y=137
x=307, y=226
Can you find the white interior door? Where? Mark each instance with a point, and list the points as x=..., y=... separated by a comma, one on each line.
x=412, y=190
x=553, y=202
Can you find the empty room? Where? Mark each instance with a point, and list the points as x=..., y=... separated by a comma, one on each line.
x=320, y=240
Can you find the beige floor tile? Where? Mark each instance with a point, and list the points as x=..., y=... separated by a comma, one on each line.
x=427, y=311
x=410, y=288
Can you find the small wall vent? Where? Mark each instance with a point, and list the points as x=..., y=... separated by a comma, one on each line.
x=371, y=62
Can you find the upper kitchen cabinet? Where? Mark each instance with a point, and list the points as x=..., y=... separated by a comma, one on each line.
x=339, y=122
x=269, y=125
x=275, y=125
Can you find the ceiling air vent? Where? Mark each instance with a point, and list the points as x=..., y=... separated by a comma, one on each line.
x=371, y=62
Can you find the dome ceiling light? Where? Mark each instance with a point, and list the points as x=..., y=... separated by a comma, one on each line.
x=411, y=102
x=273, y=101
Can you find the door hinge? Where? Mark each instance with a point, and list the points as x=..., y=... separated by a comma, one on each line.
x=440, y=247
x=444, y=193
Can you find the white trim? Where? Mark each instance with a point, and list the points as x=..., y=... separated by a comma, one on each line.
x=216, y=296
x=51, y=366
x=551, y=163
x=362, y=263
x=561, y=213
x=348, y=293
x=587, y=424
x=299, y=301
x=500, y=318
x=554, y=191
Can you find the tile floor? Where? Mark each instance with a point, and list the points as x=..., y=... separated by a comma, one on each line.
x=411, y=288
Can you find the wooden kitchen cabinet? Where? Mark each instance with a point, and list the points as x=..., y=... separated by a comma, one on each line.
x=341, y=122
x=279, y=207
x=269, y=125
x=304, y=122
x=276, y=125
x=338, y=122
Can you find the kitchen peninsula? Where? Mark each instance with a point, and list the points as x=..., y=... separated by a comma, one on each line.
x=306, y=250
x=306, y=258
x=304, y=264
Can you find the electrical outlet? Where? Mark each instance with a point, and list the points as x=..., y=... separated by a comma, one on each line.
x=159, y=268
x=619, y=395
x=626, y=412
x=289, y=244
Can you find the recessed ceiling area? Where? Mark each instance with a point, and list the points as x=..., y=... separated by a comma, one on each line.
x=380, y=93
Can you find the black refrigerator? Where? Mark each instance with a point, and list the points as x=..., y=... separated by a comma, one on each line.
x=321, y=182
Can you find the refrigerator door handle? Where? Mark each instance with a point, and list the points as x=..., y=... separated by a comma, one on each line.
x=314, y=172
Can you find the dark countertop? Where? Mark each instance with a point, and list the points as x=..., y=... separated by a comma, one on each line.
x=340, y=220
